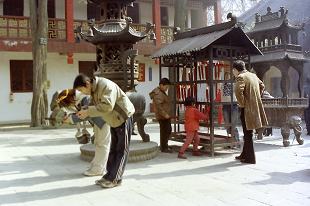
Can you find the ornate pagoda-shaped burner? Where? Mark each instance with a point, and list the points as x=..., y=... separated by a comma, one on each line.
x=278, y=40
x=114, y=39
x=115, y=55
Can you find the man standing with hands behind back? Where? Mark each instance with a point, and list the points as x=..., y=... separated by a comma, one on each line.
x=248, y=90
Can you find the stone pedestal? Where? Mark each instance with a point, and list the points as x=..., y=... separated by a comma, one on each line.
x=138, y=151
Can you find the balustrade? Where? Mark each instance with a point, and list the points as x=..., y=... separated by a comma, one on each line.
x=281, y=47
x=19, y=27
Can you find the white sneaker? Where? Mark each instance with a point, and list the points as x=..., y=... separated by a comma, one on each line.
x=101, y=181
x=109, y=184
x=92, y=173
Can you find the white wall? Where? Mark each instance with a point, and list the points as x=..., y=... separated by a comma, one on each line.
x=19, y=109
x=60, y=8
x=145, y=13
x=1, y=9
x=146, y=87
x=61, y=76
x=189, y=18
x=171, y=16
x=59, y=73
x=26, y=8
x=80, y=10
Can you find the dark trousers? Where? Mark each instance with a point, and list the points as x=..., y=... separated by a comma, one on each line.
x=165, y=132
x=248, y=148
x=307, y=119
x=119, y=151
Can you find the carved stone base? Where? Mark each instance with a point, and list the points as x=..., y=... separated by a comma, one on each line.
x=294, y=123
x=285, y=132
x=140, y=123
x=138, y=151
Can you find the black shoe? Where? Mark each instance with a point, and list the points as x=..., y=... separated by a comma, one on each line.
x=249, y=162
x=167, y=150
x=239, y=158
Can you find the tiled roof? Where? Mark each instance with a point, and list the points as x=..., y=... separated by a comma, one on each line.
x=193, y=41
x=298, y=11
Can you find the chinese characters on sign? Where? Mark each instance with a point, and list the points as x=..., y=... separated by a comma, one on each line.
x=150, y=74
x=141, y=77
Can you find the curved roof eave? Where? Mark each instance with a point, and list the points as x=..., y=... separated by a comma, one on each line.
x=200, y=42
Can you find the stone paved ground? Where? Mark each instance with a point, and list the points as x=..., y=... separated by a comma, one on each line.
x=42, y=167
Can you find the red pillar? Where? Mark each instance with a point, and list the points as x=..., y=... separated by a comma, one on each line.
x=157, y=21
x=70, y=26
x=70, y=21
x=70, y=59
x=218, y=12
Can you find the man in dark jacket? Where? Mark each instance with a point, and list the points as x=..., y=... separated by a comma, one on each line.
x=162, y=109
x=307, y=111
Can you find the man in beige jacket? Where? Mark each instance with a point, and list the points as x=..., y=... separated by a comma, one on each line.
x=248, y=90
x=110, y=103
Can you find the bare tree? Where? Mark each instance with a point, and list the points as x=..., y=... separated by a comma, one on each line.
x=237, y=7
x=179, y=21
x=39, y=27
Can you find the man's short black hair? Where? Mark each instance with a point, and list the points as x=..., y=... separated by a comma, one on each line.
x=80, y=81
x=165, y=81
x=239, y=65
x=189, y=101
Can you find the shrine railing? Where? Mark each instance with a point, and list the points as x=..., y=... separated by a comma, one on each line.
x=19, y=28
x=281, y=47
x=14, y=27
x=284, y=102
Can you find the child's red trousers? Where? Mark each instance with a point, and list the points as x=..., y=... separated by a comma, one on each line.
x=190, y=135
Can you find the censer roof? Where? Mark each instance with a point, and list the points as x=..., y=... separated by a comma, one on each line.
x=111, y=32
x=116, y=33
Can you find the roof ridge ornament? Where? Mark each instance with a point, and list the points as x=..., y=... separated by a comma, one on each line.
x=232, y=17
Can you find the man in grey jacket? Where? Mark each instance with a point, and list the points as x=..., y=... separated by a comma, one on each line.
x=110, y=103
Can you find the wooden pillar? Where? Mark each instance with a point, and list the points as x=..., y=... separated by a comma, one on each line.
x=70, y=21
x=70, y=26
x=157, y=21
x=217, y=12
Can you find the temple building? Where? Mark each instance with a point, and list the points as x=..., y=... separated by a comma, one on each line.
x=281, y=30
x=66, y=58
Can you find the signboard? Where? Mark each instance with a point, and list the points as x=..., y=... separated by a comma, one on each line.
x=150, y=74
x=43, y=41
x=141, y=77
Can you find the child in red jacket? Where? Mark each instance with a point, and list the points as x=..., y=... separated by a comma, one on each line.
x=192, y=117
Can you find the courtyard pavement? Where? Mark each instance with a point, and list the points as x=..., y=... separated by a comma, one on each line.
x=42, y=167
